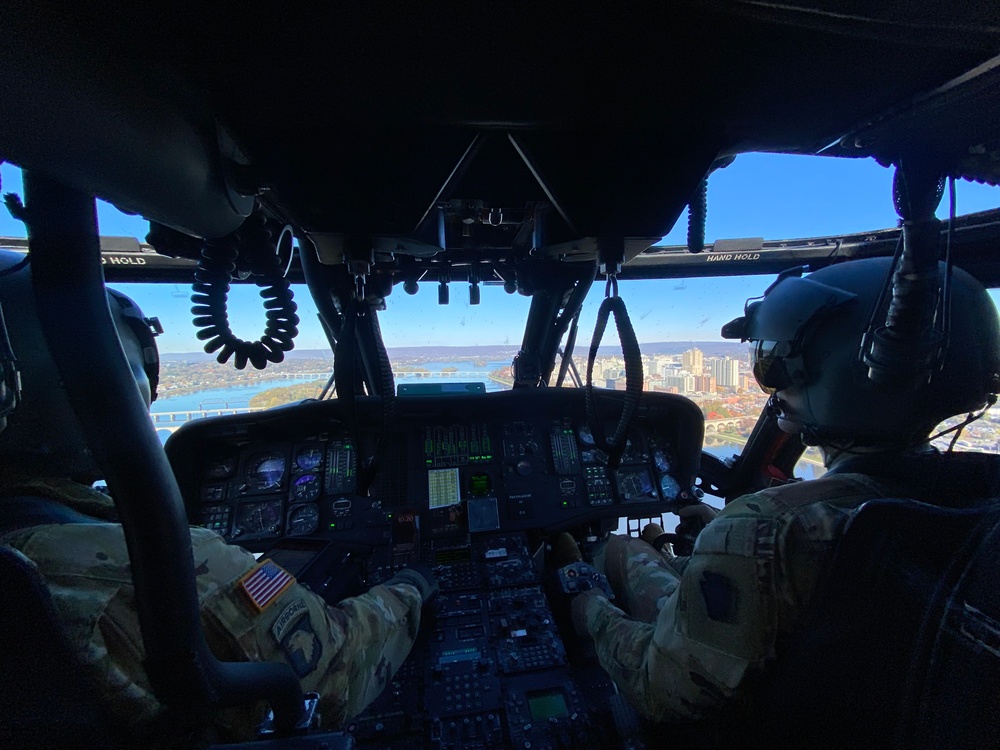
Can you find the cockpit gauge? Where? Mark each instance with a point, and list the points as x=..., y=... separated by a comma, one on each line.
x=256, y=519
x=305, y=488
x=341, y=467
x=309, y=458
x=663, y=464
x=265, y=472
x=220, y=468
x=669, y=487
x=635, y=450
x=303, y=519
x=635, y=485
x=585, y=435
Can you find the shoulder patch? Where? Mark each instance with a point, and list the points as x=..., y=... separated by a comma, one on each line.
x=301, y=646
x=265, y=583
x=740, y=536
x=720, y=596
x=287, y=618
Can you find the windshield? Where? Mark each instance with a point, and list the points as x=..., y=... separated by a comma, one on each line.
x=677, y=321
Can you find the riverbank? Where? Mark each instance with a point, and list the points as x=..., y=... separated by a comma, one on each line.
x=507, y=384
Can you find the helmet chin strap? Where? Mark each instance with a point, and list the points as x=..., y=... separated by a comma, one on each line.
x=810, y=434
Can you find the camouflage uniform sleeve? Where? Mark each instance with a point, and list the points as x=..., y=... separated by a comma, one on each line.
x=347, y=653
x=664, y=670
x=752, y=572
x=678, y=563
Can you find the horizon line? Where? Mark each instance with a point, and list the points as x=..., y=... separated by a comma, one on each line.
x=513, y=347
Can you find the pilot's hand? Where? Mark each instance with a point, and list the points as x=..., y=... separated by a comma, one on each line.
x=578, y=609
x=419, y=576
x=694, y=518
x=699, y=511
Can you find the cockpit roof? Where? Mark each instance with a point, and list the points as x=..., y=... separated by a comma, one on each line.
x=391, y=121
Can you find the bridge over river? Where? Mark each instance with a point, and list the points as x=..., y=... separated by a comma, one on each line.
x=167, y=422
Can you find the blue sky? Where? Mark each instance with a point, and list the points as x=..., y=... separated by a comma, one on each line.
x=761, y=195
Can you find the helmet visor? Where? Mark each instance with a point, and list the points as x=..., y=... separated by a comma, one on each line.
x=768, y=365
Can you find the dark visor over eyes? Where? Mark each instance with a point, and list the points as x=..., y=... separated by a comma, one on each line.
x=769, y=367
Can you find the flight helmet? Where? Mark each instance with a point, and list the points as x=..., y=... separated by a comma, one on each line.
x=42, y=434
x=806, y=337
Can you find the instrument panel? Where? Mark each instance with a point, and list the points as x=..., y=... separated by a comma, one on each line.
x=462, y=465
x=343, y=494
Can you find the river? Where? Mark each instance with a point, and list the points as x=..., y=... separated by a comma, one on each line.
x=237, y=395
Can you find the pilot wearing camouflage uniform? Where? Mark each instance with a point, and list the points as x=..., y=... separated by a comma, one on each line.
x=347, y=653
x=698, y=627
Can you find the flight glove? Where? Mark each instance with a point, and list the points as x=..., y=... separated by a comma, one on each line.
x=419, y=576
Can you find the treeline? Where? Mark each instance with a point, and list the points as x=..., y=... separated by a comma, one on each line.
x=179, y=377
x=287, y=394
x=502, y=375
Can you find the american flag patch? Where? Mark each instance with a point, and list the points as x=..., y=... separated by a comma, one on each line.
x=263, y=584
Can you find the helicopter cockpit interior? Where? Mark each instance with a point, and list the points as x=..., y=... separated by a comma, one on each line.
x=363, y=151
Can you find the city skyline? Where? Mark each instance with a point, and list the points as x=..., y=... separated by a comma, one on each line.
x=737, y=406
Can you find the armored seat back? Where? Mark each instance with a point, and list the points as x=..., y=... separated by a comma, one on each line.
x=895, y=645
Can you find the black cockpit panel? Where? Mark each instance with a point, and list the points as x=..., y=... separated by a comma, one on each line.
x=465, y=465
x=471, y=486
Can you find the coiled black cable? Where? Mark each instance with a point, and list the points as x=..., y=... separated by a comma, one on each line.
x=211, y=290
x=697, y=214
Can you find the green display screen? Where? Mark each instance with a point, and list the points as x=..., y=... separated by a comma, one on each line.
x=548, y=705
x=479, y=484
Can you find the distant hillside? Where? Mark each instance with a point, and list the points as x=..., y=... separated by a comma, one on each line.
x=449, y=353
x=710, y=348
x=498, y=353
x=503, y=353
x=295, y=354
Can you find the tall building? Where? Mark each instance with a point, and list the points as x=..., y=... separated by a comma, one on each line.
x=682, y=383
x=663, y=364
x=727, y=372
x=704, y=384
x=693, y=360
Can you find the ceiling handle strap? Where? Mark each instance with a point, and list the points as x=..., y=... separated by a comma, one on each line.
x=615, y=445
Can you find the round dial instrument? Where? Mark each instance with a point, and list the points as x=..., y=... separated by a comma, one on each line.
x=663, y=463
x=669, y=487
x=309, y=458
x=305, y=488
x=303, y=519
x=258, y=518
x=265, y=472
